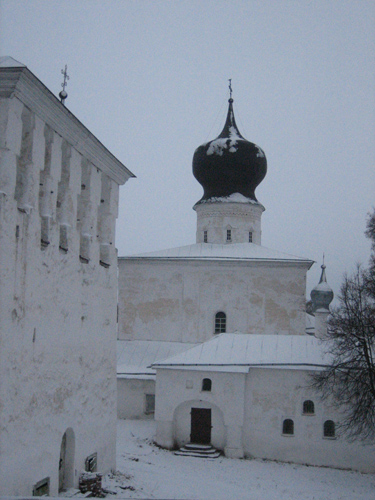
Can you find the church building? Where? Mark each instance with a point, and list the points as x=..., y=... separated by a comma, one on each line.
x=58, y=274
x=221, y=325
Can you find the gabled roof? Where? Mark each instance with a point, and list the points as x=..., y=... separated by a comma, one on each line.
x=237, y=352
x=229, y=252
x=9, y=62
x=134, y=357
x=16, y=80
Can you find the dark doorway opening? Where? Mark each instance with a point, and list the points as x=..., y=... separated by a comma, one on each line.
x=200, y=425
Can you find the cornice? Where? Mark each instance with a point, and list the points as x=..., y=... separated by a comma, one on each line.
x=229, y=213
x=19, y=82
x=230, y=207
x=222, y=261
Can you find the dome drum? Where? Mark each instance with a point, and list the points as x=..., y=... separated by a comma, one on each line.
x=215, y=219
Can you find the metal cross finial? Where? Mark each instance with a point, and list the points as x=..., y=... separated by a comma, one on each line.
x=63, y=94
x=66, y=77
x=230, y=88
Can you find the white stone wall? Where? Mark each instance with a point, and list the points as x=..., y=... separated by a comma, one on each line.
x=248, y=411
x=178, y=299
x=274, y=395
x=177, y=391
x=131, y=397
x=240, y=218
x=57, y=310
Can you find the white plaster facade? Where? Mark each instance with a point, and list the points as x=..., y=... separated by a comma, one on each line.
x=132, y=397
x=249, y=401
x=174, y=296
x=58, y=273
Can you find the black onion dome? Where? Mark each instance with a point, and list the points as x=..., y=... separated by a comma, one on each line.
x=229, y=164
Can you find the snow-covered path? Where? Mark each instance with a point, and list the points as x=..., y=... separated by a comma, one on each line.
x=145, y=471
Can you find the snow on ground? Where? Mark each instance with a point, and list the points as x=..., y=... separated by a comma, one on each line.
x=146, y=471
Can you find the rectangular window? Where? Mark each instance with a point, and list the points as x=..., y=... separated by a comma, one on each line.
x=229, y=235
x=250, y=237
x=150, y=404
x=41, y=488
x=205, y=236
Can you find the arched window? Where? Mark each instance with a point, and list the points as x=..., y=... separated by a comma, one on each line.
x=220, y=322
x=206, y=384
x=288, y=427
x=329, y=429
x=308, y=407
x=229, y=235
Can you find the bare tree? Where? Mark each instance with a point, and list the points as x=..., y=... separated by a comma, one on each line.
x=349, y=381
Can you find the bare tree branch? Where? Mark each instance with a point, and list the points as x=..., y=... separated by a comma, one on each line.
x=349, y=381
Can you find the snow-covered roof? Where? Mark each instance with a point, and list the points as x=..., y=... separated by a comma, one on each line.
x=16, y=80
x=9, y=62
x=230, y=251
x=134, y=357
x=238, y=352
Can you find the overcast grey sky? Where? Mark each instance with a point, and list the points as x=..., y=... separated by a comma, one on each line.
x=149, y=79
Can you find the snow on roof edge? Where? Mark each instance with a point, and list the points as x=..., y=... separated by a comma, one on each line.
x=9, y=62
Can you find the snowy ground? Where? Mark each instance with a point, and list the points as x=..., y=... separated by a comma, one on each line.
x=145, y=471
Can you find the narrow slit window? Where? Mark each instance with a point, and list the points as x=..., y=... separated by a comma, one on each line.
x=329, y=429
x=205, y=236
x=250, y=236
x=229, y=235
x=220, y=322
x=207, y=384
x=308, y=407
x=288, y=427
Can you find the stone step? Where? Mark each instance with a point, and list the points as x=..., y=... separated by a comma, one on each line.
x=193, y=446
x=214, y=454
x=198, y=450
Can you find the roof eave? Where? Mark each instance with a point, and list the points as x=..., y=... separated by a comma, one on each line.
x=21, y=83
x=305, y=263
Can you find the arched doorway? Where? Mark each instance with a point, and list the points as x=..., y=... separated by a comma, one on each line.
x=198, y=421
x=66, y=461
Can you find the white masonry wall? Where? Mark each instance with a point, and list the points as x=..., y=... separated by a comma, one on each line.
x=248, y=410
x=131, y=397
x=178, y=391
x=57, y=309
x=273, y=395
x=178, y=299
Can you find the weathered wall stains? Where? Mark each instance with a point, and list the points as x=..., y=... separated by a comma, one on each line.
x=178, y=300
